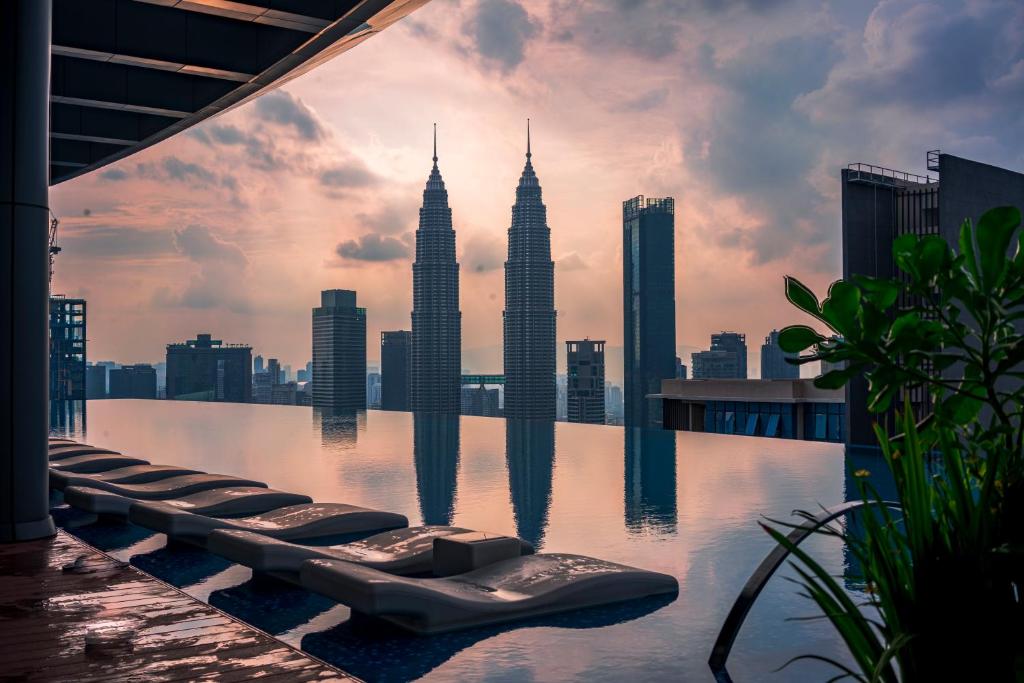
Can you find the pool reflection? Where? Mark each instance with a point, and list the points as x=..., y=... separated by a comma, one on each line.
x=650, y=481
x=530, y=458
x=436, y=456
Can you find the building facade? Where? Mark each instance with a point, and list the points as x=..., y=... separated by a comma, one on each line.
x=339, y=351
x=206, y=369
x=584, y=362
x=436, y=363
x=773, y=360
x=732, y=342
x=715, y=365
x=95, y=381
x=133, y=381
x=480, y=401
x=879, y=205
x=649, y=304
x=529, y=318
x=67, y=349
x=395, y=358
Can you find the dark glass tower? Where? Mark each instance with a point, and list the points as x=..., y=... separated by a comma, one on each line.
x=436, y=321
x=649, y=304
x=530, y=455
x=529, y=318
x=394, y=369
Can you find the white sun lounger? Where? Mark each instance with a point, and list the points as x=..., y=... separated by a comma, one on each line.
x=297, y=522
x=73, y=450
x=95, y=462
x=134, y=474
x=230, y=501
x=400, y=551
x=512, y=589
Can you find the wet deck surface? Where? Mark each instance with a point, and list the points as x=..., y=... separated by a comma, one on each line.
x=104, y=620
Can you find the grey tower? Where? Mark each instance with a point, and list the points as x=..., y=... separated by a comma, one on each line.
x=339, y=352
x=436, y=320
x=773, y=360
x=529, y=317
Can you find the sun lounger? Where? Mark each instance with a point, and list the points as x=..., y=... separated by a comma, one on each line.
x=400, y=551
x=512, y=589
x=173, y=487
x=72, y=450
x=297, y=522
x=230, y=501
x=135, y=474
x=95, y=462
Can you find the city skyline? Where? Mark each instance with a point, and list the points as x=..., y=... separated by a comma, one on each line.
x=236, y=225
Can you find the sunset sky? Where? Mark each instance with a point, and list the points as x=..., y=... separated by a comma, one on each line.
x=744, y=111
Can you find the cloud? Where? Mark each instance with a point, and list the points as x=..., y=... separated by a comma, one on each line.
x=177, y=169
x=571, y=261
x=259, y=146
x=115, y=242
x=393, y=218
x=373, y=247
x=652, y=99
x=220, y=281
x=114, y=174
x=199, y=244
x=350, y=174
x=499, y=31
x=649, y=31
x=483, y=253
x=281, y=108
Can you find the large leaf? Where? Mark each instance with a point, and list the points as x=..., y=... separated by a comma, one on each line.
x=836, y=379
x=842, y=307
x=995, y=230
x=967, y=249
x=796, y=338
x=802, y=297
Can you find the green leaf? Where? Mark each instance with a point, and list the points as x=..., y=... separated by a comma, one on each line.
x=802, y=297
x=962, y=409
x=967, y=249
x=995, y=230
x=883, y=293
x=796, y=338
x=842, y=306
x=933, y=255
x=835, y=379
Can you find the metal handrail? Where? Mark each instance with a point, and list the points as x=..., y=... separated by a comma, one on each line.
x=756, y=583
x=887, y=176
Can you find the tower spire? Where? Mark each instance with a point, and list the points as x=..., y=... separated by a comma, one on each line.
x=435, y=143
x=528, y=155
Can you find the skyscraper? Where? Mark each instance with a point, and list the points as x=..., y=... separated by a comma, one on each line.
x=773, y=360
x=436, y=320
x=207, y=369
x=649, y=304
x=394, y=369
x=529, y=317
x=339, y=351
x=733, y=342
x=585, y=365
x=133, y=381
x=67, y=349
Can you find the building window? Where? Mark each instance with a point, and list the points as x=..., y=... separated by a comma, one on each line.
x=772, y=429
x=751, y=429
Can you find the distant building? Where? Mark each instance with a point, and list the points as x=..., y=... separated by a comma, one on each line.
x=436, y=363
x=274, y=370
x=284, y=394
x=715, y=365
x=95, y=381
x=879, y=205
x=263, y=387
x=614, y=405
x=585, y=390
x=395, y=357
x=773, y=360
x=257, y=365
x=339, y=351
x=561, y=397
x=373, y=389
x=649, y=304
x=528, y=322
x=133, y=381
x=67, y=349
x=733, y=342
x=286, y=374
x=784, y=409
x=480, y=401
x=680, y=368
x=206, y=369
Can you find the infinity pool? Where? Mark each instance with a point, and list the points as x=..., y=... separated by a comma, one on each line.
x=682, y=503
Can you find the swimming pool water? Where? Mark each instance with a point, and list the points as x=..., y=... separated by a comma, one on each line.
x=676, y=502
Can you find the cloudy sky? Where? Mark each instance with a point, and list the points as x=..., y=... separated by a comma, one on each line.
x=744, y=111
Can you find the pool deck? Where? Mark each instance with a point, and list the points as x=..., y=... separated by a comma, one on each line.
x=138, y=628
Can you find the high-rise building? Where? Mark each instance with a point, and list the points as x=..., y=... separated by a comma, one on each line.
x=529, y=317
x=649, y=304
x=95, y=381
x=734, y=342
x=880, y=205
x=773, y=360
x=480, y=401
x=263, y=387
x=613, y=401
x=274, y=370
x=715, y=365
x=257, y=365
x=585, y=389
x=67, y=349
x=284, y=394
x=133, y=381
x=395, y=356
x=339, y=351
x=436, y=320
x=373, y=389
x=206, y=369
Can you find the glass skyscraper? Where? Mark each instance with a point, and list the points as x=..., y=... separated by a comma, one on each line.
x=436, y=320
x=649, y=304
x=339, y=352
x=529, y=317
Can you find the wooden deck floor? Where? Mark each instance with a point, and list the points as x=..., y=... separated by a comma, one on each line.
x=104, y=620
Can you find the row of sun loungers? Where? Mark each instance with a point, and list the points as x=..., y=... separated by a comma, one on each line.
x=426, y=579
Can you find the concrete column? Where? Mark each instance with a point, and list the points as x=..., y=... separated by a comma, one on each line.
x=24, y=268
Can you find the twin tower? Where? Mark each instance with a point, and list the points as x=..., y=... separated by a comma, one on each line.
x=528, y=319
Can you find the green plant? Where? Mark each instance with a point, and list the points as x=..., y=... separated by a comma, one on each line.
x=944, y=576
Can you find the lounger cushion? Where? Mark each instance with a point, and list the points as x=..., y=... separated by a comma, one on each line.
x=223, y=502
x=135, y=474
x=71, y=451
x=521, y=587
x=95, y=462
x=400, y=551
x=173, y=487
x=307, y=521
